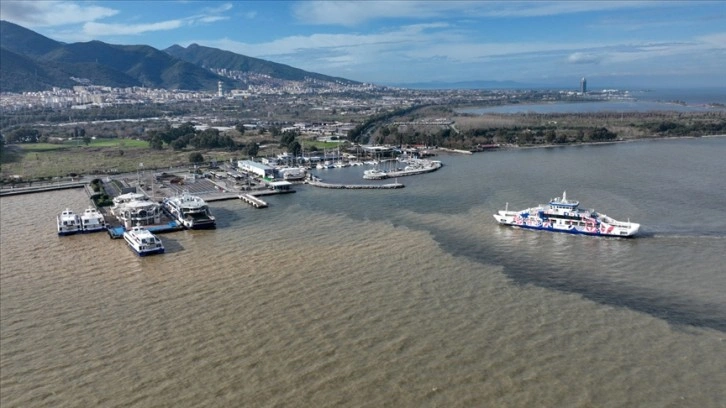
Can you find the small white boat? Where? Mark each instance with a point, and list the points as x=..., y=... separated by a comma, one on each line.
x=68, y=222
x=374, y=174
x=92, y=220
x=563, y=215
x=325, y=165
x=143, y=242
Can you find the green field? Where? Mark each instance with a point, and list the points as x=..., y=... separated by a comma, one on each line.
x=102, y=156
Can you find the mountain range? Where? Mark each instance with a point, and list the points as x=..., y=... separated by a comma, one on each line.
x=32, y=62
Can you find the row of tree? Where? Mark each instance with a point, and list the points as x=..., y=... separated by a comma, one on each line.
x=178, y=138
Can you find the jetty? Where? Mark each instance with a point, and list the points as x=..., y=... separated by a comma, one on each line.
x=40, y=188
x=253, y=201
x=356, y=186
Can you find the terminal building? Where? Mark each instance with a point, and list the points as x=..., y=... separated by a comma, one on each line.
x=256, y=168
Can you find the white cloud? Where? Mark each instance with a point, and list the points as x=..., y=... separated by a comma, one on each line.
x=220, y=9
x=101, y=29
x=210, y=19
x=52, y=13
x=583, y=58
x=715, y=40
x=356, y=12
x=439, y=51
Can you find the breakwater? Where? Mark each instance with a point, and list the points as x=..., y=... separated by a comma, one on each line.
x=356, y=186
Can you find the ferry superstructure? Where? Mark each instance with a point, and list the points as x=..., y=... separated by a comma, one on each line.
x=191, y=211
x=92, y=220
x=136, y=209
x=563, y=215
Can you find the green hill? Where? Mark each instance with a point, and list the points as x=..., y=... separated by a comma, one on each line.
x=220, y=59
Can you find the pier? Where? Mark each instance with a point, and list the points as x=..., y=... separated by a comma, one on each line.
x=253, y=201
x=356, y=186
x=39, y=188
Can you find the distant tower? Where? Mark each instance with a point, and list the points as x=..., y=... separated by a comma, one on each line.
x=583, y=85
x=220, y=89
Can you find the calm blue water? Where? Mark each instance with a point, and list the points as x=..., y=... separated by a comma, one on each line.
x=643, y=101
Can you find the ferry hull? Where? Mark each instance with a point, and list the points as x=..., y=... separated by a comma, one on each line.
x=94, y=229
x=146, y=253
x=570, y=231
x=608, y=231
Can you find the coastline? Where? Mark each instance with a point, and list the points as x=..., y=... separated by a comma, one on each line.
x=643, y=139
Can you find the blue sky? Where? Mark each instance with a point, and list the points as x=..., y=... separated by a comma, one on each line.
x=663, y=44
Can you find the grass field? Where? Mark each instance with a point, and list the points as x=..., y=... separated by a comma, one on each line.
x=102, y=156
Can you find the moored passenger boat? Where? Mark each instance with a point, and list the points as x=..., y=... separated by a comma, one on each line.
x=68, y=222
x=191, y=211
x=136, y=209
x=563, y=215
x=143, y=242
x=92, y=220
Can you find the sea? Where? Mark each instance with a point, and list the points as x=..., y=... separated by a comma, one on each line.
x=637, y=100
x=411, y=297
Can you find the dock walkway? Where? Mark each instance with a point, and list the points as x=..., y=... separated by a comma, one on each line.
x=356, y=186
x=253, y=201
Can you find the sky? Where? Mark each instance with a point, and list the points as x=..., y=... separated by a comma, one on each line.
x=658, y=44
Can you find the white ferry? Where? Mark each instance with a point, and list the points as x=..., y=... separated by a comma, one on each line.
x=92, y=220
x=190, y=210
x=68, y=222
x=563, y=215
x=136, y=209
x=143, y=242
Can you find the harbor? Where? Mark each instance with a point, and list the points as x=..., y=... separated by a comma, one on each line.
x=177, y=199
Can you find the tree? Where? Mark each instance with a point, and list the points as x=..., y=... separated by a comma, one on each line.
x=196, y=158
x=294, y=148
x=156, y=143
x=23, y=135
x=179, y=144
x=252, y=149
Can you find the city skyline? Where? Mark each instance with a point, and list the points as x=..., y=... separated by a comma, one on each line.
x=666, y=44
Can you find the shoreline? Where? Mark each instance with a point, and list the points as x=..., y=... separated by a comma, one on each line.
x=7, y=188
x=547, y=146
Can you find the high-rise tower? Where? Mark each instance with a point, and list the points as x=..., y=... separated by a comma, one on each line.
x=220, y=89
x=583, y=85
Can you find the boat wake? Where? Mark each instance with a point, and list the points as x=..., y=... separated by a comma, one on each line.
x=684, y=234
x=676, y=308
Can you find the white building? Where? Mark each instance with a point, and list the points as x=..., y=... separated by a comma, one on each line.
x=258, y=169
